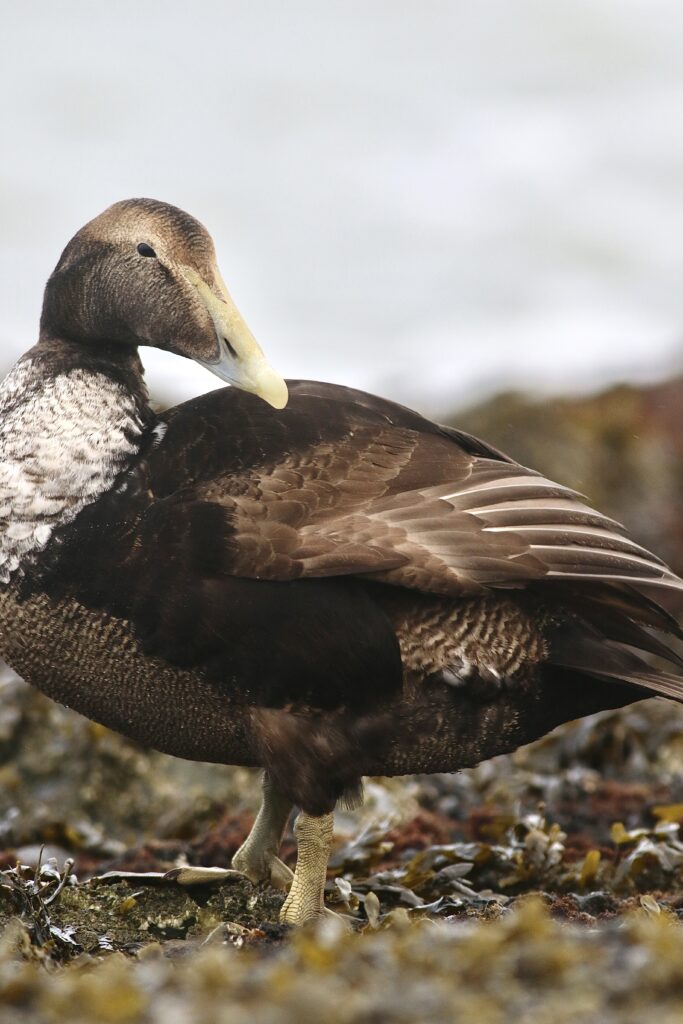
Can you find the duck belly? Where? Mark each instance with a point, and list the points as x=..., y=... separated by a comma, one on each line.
x=92, y=662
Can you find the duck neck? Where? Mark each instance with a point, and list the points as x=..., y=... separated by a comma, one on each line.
x=71, y=420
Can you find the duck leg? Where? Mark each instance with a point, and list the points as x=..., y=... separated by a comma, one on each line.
x=257, y=856
x=314, y=839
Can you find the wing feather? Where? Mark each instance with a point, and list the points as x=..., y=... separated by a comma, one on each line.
x=420, y=507
x=339, y=484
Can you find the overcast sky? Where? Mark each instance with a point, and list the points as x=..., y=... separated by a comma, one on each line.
x=425, y=199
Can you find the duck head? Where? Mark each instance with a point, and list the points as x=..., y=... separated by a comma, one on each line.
x=145, y=273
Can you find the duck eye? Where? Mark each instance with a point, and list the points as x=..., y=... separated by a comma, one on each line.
x=146, y=250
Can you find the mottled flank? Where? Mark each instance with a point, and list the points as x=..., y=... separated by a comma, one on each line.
x=485, y=639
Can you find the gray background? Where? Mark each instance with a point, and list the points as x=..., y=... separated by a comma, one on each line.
x=426, y=199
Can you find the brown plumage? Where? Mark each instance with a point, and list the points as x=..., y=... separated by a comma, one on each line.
x=328, y=590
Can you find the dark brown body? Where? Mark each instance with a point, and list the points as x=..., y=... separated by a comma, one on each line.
x=294, y=575
x=338, y=589
x=97, y=666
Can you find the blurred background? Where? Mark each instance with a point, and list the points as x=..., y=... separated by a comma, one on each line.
x=428, y=200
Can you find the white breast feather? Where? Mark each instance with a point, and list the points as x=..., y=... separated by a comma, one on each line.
x=63, y=440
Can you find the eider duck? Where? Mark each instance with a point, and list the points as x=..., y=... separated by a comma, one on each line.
x=298, y=577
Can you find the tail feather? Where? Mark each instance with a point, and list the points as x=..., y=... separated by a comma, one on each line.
x=580, y=646
x=663, y=684
x=612, y=624
x=630, y=602
x=651, y=612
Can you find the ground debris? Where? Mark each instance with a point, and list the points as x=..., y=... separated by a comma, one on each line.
x=522, y=966
x=545, y=885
